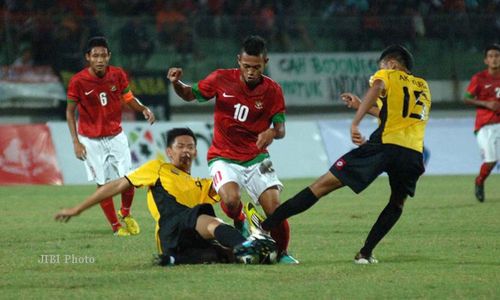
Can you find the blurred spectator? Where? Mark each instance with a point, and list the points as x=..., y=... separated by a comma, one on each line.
x=70, y=39
x=132, y=7
x=290, y=29
x=373, y=28
x=42, y=39
x=26, y=58
x=173, y=28
x=265, y=21
x=136, y=44
x=169, y=22
x=459, y=27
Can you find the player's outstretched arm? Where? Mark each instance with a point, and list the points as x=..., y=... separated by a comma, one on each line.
x=183, y=90
x=108, y=190
x=353, y=101
x=368, y=102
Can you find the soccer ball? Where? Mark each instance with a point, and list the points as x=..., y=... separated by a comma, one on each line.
x=269, y=259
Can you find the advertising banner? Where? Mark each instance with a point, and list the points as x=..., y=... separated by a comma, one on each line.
x=27, y=156
x=320, y=78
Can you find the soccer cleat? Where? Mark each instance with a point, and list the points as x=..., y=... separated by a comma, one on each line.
x=287, y=259
x=479, y=192
x=360, y=259
x=163, y=260
x=131, y=224
x=242, y=227
x=122, y=232
x=254, y=218
x=255, y=249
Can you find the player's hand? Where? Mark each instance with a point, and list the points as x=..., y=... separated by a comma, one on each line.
x=265, y=138
x=356, y=137
x=149, y=115
x=350, y=100
x=80, y=151
x=174, y=74
x=65, y=214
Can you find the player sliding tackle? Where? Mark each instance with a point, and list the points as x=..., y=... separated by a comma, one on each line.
x=187, y=231
x=249, y=115
x=402, y=103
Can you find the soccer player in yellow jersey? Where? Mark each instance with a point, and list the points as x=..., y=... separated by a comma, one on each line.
x=187, y=231
x=402, y=102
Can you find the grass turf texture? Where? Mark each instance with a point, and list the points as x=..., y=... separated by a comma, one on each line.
x=446, y=245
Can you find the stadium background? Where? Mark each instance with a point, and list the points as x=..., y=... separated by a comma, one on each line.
x=445, y=246
x=42, y=47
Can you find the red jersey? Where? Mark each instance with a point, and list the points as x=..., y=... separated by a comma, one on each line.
x=486, y=87
x=240, y=113
x=98, y=101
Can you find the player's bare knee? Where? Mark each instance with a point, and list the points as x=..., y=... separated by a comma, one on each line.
x=325, y=184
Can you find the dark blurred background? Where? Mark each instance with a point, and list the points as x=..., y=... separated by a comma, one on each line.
x=148, y=36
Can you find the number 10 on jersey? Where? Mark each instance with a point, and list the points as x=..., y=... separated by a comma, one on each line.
x=240, y=112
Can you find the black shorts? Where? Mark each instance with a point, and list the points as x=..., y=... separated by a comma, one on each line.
x=361, y=166
x=179, y=238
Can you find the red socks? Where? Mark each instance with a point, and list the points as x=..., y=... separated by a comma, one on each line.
x=281, y=234
x=108, y=207
x=235, y=213
x=127, y=198
x=484, y=172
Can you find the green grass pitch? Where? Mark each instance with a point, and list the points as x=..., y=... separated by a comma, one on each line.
x=445, y=246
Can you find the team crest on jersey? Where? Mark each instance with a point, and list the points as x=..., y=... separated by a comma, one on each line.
x=339, y=164
x=113, y=88
x=258, y=104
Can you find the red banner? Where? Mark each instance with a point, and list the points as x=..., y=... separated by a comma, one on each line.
x=27, y=156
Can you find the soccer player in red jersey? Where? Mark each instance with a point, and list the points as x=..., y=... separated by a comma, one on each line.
x=98, y=92
x=484, y=92
x=247, y=103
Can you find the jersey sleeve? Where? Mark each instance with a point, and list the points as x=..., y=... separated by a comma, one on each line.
x=206, y=184
x=124, y=83
x=471, y=91
x=206, y=88
x=279, y=112
x=72, y=93
x=380, y=75
x=145, y=175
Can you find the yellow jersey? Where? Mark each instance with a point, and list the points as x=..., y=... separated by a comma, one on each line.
x=404, y=109
x=171, y=190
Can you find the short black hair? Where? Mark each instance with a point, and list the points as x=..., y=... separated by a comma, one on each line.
x=399, y=53
x=254, y=45
x=494, y=46
x=175, y=132
x=97, y=41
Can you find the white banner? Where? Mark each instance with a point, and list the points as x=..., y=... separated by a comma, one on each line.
x=320, y=78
